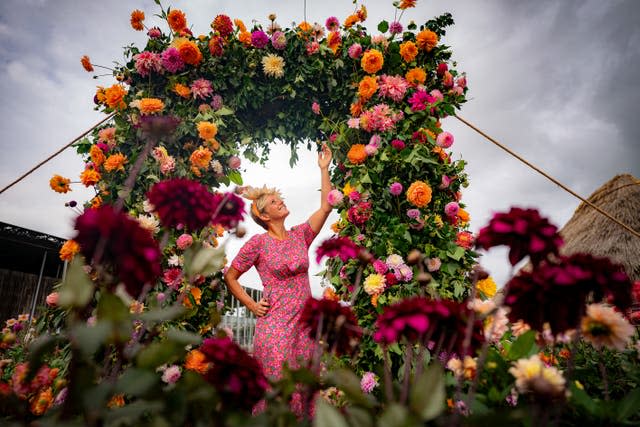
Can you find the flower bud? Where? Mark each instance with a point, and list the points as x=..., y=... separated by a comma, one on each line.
x=424, y=278
x=414, y=257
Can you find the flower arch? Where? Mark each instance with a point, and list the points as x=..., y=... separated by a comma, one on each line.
x=187, y=106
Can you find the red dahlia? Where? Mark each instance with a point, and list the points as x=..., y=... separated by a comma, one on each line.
x=223, y=25
x=238, y=377
x=524, y=231
x=336, y=324
x=182, y=202
x=126, y=247
x=228, y=210
x=342, y=247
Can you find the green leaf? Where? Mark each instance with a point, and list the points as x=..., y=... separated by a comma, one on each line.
x=77, y=289
x=235, y=177
x=456, y=254
x=395, y=416
x=136, y=382
x=629, y=406
x=328, y=416
x=523, y=346
x=38, y=349
x=183, y=338
x=203, y=260
x=383, y=26
x=160, y=315
x=358, y=417
x=90, y=338
x=111, y=307
x=158, y=353
x=427, y=395
x=581, y=398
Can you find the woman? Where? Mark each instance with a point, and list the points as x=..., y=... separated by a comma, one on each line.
x=282, y=260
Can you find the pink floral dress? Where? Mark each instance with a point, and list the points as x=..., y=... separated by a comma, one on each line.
x=283, y=268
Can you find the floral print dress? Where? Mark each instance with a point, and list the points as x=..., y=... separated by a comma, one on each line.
x=283, y=268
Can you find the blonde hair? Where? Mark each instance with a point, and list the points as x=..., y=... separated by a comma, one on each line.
x=258, y=196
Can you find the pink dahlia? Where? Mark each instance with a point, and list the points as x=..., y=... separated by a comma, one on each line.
x=171, y=60
x=332, y=23
x=335, y=197
x=359, y=214
x=259, y=39
x=147, y=63
x=201, y=88
x=444, y=139
x=395, y=189
x=393, y=87
x=355, y=50
x=278, y=40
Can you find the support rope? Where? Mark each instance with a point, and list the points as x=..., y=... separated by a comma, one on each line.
x=30, y=171
x=550, y=178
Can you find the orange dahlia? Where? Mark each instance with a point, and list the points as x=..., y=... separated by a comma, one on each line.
x=114, y=96
x=196, y=293
x=68, y=250
x=207, y=130
x=241, y=27
x=427, y=40
x=416, y=76
x=97, y=155
x=200, y=159
x=189, y=52
x=372, y=61
x=196, y=361
x=86, y=63
x=60, y=184
x=115, y=162
x=356, y=108
x=351, y=21
x=245, y=38
x=406, y=4
x=367, y=87
x=357, y=154
x=150, y=105
x=42, y=402
x=408, y=51
x=305, y=27
x=176, y=19
x=463, y=216
x=333, y=41
x=419, y=194
x=182, y=90
x=137, y=16
x=90, y=177
x=96, y=202
x=116, y=401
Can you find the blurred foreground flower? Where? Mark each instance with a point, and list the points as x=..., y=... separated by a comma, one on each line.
x=182, y=203
x=125, y=246
x=336, y=324
x=605, y=327
x=533, y=376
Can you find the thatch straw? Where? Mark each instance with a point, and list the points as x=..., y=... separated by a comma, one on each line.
x=589, y=231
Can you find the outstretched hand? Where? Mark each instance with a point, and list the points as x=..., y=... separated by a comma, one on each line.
x=324, y=156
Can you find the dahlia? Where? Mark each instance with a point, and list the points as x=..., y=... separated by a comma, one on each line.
x=223, y=25
x=341, y=247
x=336, y=323
x=524, y=231
x=182, y=202
x=237, y=377
x=147, y=63
x=201, y=88
x=532, y=376
x=393, y=87
x=273, y=65
x=359, y=214
x=374, y=284
x=125, y=246
x=228, y=209
x=278, y=40
x=355, y=50
x=60, y=184
x=171, y=60
x=259, y=39
x=368, y=382
x=605, y=327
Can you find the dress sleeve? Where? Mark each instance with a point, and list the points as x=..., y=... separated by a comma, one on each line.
x=306, y=233
x=248, y=255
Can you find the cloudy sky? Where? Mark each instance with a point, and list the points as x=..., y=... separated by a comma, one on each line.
x=553, y=80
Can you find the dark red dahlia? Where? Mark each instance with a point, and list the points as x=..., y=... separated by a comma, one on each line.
x=125, y=246
x=342, y=247
x=359, y=214
x=182, y=202
x=418, y=319
x=524, y=231
x=216, y=46
x=237, y=377
x=557, y=292
x=334, y=323
x=158, y=127
x=228, y=210
x=223, y=25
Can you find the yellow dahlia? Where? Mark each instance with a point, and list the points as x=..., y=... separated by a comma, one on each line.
x=374, y=284
x=273, y=65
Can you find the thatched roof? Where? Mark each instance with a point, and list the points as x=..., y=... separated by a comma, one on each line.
x=590, y=231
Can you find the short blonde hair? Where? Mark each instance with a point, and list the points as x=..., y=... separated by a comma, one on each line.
x=258, y=196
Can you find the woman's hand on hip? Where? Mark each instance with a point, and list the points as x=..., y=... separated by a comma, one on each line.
x=260, y=308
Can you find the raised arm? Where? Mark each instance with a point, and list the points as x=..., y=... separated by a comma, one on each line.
x=259, y=308
x=319, y=217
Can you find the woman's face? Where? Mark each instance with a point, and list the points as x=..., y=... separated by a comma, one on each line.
x=275, y=207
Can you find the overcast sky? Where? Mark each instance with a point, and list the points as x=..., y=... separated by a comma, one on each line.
x=556, y=81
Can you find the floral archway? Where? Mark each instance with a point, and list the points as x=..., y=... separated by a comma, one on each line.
x=187, y=106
